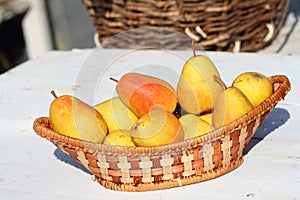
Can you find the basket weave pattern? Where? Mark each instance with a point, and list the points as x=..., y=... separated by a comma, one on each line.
x=223, y=25
x=152, y=168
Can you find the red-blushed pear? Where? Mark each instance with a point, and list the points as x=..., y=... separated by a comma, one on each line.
x=196, y=90
x=256, y=86
x=72, y=117
x=140, y=92
x=231, y=104
x=157, y=127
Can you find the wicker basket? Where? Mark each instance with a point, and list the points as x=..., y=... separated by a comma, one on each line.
x=153, y=168
x=222, y=25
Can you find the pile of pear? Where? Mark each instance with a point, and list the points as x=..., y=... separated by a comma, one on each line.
x=148, y=111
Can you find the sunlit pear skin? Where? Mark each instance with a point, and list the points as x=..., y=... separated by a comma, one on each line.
x=72, y=117
x=207, y=117
x=119, y=138
x=157, y=127
x=140, y=92
x=256, y=86
x=194, y=126
x=197, y=90
x=231, y=105
x=116, y=114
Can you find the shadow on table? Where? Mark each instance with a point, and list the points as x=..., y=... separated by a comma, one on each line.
x=276, y=118
x=62, y=156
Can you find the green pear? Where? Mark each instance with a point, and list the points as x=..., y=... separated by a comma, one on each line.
x=116, y=114
x=231, y=104
x=72, y=117
x=196, y=90
x=157, y=127
x=141, y=92
x=256, y=86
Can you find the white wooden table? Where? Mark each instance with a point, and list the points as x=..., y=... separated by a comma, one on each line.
x=33, y=168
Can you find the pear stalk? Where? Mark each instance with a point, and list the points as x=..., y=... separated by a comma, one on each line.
x=113, y=79
x=220, y=82
x=54, y=94
x=193, y=48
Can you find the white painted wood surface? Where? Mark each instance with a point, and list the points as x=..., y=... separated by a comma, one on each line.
x=33, y=168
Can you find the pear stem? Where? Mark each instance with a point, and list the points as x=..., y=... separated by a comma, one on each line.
x=113, y=79
x=54, y=94
x=219, y=81
x=193, y=48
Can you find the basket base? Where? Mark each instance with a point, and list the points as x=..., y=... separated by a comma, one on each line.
x=170, y=183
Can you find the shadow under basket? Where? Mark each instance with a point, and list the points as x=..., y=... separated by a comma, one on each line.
x=155, y=168
x=218, y=25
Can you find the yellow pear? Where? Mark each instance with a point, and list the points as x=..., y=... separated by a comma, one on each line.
x=194, y=126
x=74, y=118
x=256, y=86
x=157, y=127
x=207, y=117
x=231, y=105
x=116, y=114
x=197, y=90
x=119, y=138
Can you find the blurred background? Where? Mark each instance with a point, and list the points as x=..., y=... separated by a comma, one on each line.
x=31, y=28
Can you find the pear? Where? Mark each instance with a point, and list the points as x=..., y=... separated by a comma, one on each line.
x=116, y=114
x=140, y=92
x=72, y=117
x=256, y=86
x=207, y=117
x=119, y=138
x=194, y=126
x=196, y=90
x=231, y=104
x=157, y=127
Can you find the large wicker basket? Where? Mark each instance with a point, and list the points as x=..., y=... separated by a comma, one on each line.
x=153, y=168
x=223, y=25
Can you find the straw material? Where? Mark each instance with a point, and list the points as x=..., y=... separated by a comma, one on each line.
x=223, y=25
x=154, y=168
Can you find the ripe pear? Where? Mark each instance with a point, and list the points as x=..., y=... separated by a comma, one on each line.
x=140, y=92
x=196, y=90
x=74, y=118
x=157, y=127
x=231, y=105
x=194, y=126
x=119, y=138
x=116, y=114
x=207, y=117
x=256, y=86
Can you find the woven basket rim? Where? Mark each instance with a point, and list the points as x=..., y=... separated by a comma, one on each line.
x=41, y=127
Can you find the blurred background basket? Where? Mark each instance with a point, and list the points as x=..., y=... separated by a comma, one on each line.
x=219, y=25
